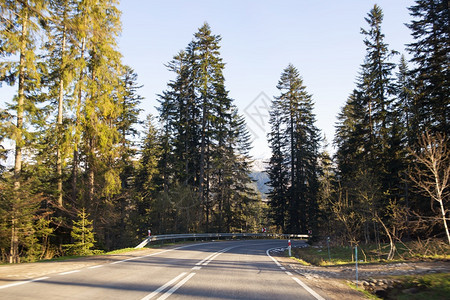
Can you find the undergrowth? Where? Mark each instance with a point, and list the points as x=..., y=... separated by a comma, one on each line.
x=411, y=251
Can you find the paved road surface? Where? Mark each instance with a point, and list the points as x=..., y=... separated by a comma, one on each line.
x=214, y=270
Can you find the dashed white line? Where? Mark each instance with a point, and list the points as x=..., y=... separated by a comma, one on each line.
x=196, y=268
x=70, y=272
x=289, y=273
x=128, y=259
x=22, y=282
x=95, y=267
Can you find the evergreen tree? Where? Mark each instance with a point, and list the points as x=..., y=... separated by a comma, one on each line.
x=148, y=180
x=301, y=138
x=431, y=73
x=204, y=142
x=20, y=23
x=405, y=105
x=82, y=234
x=370, y=132
x=59, y=56
x=277, y=170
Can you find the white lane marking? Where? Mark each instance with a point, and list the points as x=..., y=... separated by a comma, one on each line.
x=121, y=261
x=70, y=272
x=176, y=287
x=301, y=283
x=22, y=282
x=168, y=250
x=289, y=273
x=283, y=268
x=217, y=254
x=95, y=267
x=317, y=296
x=205, y=259
x=274, y=260
x=208, y=259
x=160, y=289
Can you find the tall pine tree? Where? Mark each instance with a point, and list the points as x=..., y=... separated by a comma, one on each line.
x=300, y=137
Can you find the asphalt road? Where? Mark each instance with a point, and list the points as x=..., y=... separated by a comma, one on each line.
x=214, y=270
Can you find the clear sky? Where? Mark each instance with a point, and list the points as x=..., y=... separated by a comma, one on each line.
x=259, y=39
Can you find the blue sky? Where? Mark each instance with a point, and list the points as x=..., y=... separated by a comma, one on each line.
x=259, y=39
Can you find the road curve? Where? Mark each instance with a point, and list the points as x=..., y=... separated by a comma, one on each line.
x=213, y=270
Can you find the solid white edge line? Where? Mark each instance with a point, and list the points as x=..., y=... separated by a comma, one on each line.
x=161, y=288
x=176, y=287
x=317, y=296
x=274, y=260
x=22, y=282
x=301, y=283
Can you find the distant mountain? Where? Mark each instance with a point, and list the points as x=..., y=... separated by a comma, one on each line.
x=260, y=176
x=261, y=179
x=259, y=165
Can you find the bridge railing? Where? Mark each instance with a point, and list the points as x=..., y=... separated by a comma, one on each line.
x=194, y=236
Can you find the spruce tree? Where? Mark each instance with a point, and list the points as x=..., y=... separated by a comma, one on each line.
x=82, y=234
x=301, y=139
x=20, y=23
x=277, y=170
x=431, y=72
x=203, y=141
x=59, y=56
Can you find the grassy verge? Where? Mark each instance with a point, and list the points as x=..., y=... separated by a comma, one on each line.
x=118, y=251
x=318, y=255
x=430, y=287
x=363, y=291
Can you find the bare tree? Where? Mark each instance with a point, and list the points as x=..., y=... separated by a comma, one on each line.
x=432, y=171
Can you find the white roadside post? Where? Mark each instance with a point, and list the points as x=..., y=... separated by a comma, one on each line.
x=289, y=248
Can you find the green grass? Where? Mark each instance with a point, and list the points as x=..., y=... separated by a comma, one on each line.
x=370, y=254
x=61, y=258
x=363, y=291
x=124, y=250
x=430, y=287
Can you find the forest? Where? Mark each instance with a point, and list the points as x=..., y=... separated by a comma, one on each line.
x=86, y=178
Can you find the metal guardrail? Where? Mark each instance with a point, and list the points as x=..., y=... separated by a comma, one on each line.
x=215, y=235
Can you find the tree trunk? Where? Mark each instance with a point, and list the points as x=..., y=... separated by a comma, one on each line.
x=14, y=252
x=202, y=164
x=77, y=125
x=444, y=220
x=59, y=125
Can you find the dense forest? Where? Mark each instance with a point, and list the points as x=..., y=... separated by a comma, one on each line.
x=86, y=176
x=389, y=178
